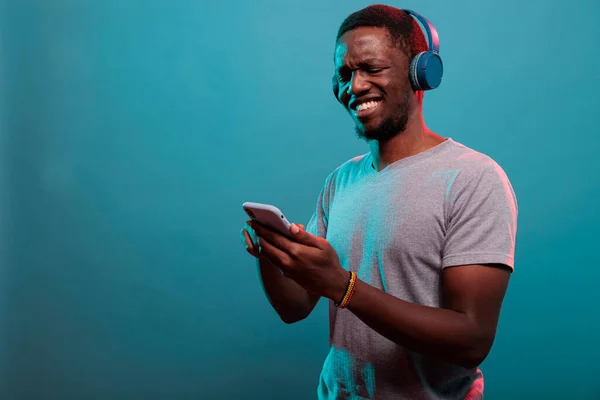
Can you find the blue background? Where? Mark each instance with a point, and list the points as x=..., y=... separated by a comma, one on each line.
x=132, y=132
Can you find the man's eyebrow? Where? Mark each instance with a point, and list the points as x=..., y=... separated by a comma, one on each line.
x=372, y=60
x=364, y=62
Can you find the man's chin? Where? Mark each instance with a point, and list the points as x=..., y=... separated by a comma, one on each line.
x=367, y=135
x=378, y=134
x=382, y=131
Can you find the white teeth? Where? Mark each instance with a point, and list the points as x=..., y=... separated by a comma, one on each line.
x=367, y=105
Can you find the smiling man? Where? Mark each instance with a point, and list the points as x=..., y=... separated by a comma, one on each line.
x=412, y=243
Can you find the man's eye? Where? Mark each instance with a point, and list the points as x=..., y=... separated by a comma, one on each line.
x=374, y=70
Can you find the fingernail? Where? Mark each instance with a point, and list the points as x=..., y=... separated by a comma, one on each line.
x=295, y=228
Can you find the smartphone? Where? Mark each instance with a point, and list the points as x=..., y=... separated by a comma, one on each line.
x=268, y=215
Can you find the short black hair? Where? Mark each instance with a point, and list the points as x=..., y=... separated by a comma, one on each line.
x=403, y=29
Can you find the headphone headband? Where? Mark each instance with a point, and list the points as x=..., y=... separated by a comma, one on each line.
x=433, y=41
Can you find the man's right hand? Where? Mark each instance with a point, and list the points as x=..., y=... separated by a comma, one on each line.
x=251, y=241
x=290, y=300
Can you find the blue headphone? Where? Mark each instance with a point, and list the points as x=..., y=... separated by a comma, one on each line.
x=426, y=68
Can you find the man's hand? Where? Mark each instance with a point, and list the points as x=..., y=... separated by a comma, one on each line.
x=462, y=333
x=308, y=260
x=248, y=237
x=291, y=301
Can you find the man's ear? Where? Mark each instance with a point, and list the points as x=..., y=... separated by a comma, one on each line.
x=336, y=87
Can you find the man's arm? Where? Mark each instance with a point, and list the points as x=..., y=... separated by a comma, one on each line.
x=481, y=228
x=461, y=333
x=291, y=301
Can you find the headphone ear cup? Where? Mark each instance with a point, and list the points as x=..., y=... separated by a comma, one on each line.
x=426, y=71
x=336, y=87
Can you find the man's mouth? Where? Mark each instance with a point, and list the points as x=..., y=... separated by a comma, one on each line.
x=367, y=108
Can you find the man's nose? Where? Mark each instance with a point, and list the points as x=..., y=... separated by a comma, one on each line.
x=358, y=84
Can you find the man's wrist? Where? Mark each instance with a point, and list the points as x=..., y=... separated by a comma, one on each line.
x=341, y=286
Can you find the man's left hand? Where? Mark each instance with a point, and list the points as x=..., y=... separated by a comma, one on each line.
x=309, y=260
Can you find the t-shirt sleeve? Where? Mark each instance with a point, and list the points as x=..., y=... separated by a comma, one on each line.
x=482, y=222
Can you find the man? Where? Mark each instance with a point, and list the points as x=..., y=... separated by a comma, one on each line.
x=412, y=243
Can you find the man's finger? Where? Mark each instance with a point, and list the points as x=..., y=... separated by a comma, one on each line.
x=276, y=256
x=304, y=237
x=251, y=247
x=276, y=239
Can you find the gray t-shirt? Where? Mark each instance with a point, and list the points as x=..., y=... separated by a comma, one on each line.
x=398, y=229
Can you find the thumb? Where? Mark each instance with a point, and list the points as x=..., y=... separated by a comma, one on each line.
x=299, y=233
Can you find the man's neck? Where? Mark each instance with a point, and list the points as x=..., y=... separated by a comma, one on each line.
x=415, y=139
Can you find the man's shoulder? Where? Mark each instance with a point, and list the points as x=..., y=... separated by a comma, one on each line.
x=479, y=172
x=469, y=157
x=474, y=163
x=355, y=163
x=352, y=166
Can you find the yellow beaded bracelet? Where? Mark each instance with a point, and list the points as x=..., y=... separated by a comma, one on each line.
x=349, y=291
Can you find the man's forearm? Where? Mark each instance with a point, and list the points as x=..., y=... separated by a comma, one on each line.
x=291, y=301
x=441, y=333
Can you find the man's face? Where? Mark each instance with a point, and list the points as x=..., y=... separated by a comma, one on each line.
x=373, y=82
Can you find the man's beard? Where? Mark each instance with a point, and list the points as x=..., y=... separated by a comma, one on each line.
x=390, y=127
